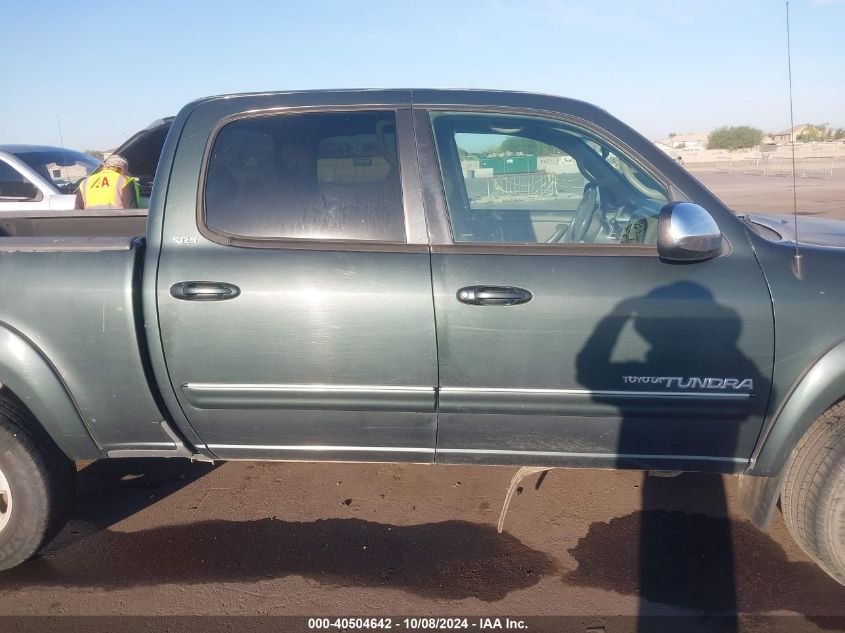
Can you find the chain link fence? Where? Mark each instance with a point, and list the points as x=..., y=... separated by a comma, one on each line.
x=805, y=167
x=513, y=187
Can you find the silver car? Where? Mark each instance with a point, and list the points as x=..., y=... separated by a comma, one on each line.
x=40, y=177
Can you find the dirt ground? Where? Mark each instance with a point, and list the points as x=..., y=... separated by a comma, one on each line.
x=164, y=537
x=773, y=194
x=168, y=537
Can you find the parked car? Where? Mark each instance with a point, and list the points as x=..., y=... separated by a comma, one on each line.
x=321, y=280
x=40, y=177
x=38, y=195
x=27, y=212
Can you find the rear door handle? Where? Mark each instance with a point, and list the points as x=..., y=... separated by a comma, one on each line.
x=204, y=291
x=493, y=295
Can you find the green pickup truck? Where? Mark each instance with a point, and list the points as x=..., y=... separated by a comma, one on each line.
x=450, y=277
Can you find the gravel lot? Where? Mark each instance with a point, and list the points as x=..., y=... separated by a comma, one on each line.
x=167, y=537
x=163, y=537
x=773, y=194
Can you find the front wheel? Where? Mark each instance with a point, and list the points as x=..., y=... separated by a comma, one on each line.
x=813, y=496
x=36, y=485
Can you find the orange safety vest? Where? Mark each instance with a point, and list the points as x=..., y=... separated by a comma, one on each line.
x=104, y=190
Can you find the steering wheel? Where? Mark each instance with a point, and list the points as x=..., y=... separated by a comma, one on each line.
x=582, y=220
x=560, y=231
x=636, y=230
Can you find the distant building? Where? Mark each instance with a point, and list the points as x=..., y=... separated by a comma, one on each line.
x=693, y=140
x=785, y=136
x=60, y=174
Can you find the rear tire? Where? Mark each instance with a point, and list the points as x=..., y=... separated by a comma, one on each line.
x=36, y=485
x=813, y=496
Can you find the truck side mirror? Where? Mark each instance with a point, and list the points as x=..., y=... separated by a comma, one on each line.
x=686, y=232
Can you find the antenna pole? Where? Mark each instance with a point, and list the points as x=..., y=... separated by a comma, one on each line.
x=797, y=268
x=61, y=142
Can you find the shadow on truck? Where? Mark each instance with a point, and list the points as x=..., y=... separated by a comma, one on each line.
x=678, y=562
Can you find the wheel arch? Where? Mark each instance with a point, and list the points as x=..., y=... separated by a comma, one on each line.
x=28, y=376
x=817, y=390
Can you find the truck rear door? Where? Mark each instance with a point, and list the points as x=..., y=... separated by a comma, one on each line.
x=294, y=286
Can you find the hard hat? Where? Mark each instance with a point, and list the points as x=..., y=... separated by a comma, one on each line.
x=116, y=160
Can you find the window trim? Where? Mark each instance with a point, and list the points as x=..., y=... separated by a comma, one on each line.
x=544, y=248
x=437, y=211
x=414, y=219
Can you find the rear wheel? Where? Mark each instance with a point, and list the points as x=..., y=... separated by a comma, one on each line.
x=813, y=496
x=36, y=485
x=5, y=501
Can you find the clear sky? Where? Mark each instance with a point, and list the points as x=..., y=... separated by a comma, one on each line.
x=661, y=65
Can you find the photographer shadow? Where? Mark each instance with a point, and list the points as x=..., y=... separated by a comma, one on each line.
x=704, y=345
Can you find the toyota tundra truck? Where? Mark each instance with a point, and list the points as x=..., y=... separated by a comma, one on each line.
x=444, y=277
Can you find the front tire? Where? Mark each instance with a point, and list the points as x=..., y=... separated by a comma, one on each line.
x=813, y=496
x=36, y=485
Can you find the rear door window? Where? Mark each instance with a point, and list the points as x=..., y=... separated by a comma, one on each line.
x=320, y=176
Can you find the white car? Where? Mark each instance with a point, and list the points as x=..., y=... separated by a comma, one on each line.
x=41, y=178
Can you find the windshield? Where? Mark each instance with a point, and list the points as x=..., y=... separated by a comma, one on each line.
x=64, y=168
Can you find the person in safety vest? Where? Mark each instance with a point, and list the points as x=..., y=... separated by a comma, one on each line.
x=110, y=187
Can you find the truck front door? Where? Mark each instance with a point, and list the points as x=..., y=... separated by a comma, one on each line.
x=563, y=338
x=294, y=286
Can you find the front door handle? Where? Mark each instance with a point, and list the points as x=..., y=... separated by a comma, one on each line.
x=204, y=291
x=493, y=295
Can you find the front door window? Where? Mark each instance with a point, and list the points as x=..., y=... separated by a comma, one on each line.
x=519, y=179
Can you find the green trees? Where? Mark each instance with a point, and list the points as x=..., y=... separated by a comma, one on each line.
x=734, y=137
x=820, y=133
x=517, y=144
x=513, y=145
x=96, y=154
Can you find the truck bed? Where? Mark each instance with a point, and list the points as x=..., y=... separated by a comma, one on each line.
x=77, y=223
x=76, y=300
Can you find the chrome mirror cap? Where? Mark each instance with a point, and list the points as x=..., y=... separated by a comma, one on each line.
x=686, y=232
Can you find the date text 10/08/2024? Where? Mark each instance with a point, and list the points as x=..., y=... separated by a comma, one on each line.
x=417, y=624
